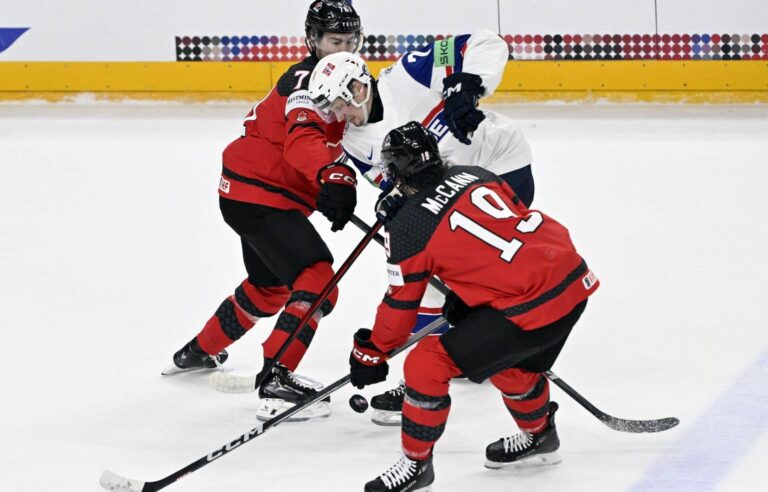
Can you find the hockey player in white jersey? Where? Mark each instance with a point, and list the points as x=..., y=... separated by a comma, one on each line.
x=440, y=87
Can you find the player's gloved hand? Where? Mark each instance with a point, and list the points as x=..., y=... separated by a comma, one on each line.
x=367, y=364
x=454, y=309
x=388, y=203
x=337, y=198
x=461, y=92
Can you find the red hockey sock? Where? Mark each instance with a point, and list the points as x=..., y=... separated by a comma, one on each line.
x=307, y=288
x=526, y=396
x=238, y=313
x=428, y=370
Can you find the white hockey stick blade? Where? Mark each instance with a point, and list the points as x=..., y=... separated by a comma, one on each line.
x=232, y=383
x=112, y=481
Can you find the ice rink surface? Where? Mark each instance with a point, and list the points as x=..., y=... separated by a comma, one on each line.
x=113, y=255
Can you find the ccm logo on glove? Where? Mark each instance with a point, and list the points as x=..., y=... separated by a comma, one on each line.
x=342, y=177
x=365, y=358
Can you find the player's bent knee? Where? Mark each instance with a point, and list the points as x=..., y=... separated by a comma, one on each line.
x=428, y=368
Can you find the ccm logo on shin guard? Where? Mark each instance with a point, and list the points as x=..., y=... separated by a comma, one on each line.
x=365, y=358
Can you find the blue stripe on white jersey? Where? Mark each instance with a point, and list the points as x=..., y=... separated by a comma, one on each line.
x=459, y=44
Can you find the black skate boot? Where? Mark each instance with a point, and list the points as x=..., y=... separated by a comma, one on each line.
x=191, y=357
x=283, y=389
x=388, y=406
x=526, y=449
x=405, y=475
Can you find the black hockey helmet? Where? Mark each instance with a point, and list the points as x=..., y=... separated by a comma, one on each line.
x=330, y=16
x=408, y=151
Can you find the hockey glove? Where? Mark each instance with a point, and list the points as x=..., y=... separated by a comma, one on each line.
x=388, y=203
x=337, y=197
x=454, y=309
x=367, y=364
x=461, y=92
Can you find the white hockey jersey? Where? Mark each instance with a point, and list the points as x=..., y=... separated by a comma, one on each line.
x=411, y=90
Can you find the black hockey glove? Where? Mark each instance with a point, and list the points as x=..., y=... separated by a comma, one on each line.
x=454, y=309
x=337, y=198
x=367, y=364
x=461, y=92
x=388, y=203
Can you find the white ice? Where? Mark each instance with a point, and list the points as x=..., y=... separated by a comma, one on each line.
x=113, y=255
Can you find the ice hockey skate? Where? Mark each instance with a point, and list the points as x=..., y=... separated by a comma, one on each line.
x=524, y=449
x=405, y=475
x=193, y=358
x=282, y=390
x=388, y=406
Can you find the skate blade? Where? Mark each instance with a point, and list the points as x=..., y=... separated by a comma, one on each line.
x=270, y=408
x=545, y=459
x=174, y=369
x=387, y=418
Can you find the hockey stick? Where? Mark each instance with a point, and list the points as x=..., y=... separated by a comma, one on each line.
x=230, y=383
x=112, y=481
x=615, y=423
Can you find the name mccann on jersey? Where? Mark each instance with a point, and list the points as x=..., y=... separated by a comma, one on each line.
x=456, y=183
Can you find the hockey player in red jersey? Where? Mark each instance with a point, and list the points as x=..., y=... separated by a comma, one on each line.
x=287, y=163
x=518, y=288
x=440, y=85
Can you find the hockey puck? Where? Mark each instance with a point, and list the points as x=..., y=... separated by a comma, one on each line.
x=358, y=403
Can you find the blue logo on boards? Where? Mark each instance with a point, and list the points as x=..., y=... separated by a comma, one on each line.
x=9, y=35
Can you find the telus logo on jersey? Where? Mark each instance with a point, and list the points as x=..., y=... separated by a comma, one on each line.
x=443, y=194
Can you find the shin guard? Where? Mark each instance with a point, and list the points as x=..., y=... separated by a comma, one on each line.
x=238, y=314
x=306, y=291
x=526, y=396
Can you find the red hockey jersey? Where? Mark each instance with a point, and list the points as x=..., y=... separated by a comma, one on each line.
x=284, y=144
x=472, y=232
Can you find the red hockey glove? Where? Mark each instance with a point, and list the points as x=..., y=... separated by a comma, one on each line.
x=367, y=364
x=461, y=92
x=337, y=198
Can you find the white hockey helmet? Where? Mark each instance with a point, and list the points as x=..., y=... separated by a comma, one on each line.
x=332, y=79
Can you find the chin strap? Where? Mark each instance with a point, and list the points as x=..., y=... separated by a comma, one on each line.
x=364, y=103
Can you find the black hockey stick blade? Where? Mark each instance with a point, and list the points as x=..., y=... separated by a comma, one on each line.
x=615, y=423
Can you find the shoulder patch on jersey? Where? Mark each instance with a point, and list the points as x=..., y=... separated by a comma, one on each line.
x=395, y=274
x=299, y=100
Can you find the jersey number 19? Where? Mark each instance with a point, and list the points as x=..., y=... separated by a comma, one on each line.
x=489, y=202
